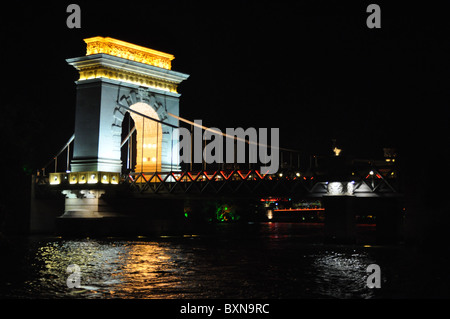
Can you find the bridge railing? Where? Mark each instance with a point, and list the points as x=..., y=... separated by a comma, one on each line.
x=54, y=159
x=360, y=178
x=363, y=181
x=249, y=181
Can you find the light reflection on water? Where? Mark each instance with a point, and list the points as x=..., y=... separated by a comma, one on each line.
x=126, y=269
x=338, y=272
x=108, y=268
x=271, y=262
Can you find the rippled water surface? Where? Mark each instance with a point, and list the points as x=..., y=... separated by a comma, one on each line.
x=273, y=260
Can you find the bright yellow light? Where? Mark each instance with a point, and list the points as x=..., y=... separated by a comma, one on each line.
x=55, y=178
x=85, y=177
x=82, y=178
x=151, y=138
x=114, y=178
x=103, y=62
x=128, y=51
x=337, y=151
x=93, y=178
x=105, y=179
x=73, y=178
x=124, y=76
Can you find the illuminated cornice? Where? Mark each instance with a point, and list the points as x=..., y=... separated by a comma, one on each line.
x=110, y=67
x=128, y=51
x=117, y=60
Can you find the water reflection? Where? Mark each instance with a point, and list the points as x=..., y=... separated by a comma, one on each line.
x=118, y=269
x=266, y=261
x=192, y=268
x=341, y=274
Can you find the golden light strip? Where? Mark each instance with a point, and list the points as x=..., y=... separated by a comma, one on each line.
x=128, y=51
x=114, y=74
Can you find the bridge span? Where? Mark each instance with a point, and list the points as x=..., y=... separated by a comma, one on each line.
x=122, y=165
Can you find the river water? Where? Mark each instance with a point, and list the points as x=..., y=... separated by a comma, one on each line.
x=261, y=260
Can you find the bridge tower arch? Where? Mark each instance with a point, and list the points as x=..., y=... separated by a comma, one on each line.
x=117, y=77
x=149, y=140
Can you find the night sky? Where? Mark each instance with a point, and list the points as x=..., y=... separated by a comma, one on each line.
x=313, y=69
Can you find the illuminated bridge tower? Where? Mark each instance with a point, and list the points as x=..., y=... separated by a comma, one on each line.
x=117, y=77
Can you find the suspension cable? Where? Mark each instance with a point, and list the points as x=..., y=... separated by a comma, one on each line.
x=229, y=136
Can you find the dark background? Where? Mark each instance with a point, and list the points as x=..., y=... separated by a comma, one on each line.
x=313, y=69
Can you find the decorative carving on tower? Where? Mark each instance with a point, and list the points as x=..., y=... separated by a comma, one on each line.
x=128, y=51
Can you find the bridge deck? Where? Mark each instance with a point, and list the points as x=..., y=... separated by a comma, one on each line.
x=366, y=182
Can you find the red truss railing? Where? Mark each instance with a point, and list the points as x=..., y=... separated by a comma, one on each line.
x=364, y=180
x=254, y=182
